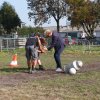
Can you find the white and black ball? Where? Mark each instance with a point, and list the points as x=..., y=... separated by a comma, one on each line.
x=72, y=71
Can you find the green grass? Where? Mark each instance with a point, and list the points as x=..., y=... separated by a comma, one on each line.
x=82, y=86
x=78, y=87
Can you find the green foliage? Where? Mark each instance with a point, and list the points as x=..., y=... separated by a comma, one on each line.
x=28, y=30
x=84, y=14
x=17, y=84
x=10, y=19
x=42, y=10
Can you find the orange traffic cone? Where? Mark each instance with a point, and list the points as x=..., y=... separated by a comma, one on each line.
x=14, y=61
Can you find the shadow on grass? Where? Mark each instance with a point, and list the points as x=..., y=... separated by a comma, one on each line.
x=13, y=70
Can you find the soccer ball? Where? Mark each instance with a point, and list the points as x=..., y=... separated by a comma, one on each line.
x=80, y=63
x=77, y=64
x=72, y=71
x=73, y=67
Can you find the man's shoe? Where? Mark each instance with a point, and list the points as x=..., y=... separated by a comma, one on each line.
x=59, y=70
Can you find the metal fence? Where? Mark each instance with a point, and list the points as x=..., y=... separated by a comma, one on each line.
x=12, y=43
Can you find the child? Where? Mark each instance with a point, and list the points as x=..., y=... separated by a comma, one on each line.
x=42, y=49
x=31, y=52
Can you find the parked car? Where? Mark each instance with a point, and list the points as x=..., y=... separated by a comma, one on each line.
x=70, y=41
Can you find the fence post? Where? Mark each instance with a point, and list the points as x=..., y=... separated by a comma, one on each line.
x=14, y=43
x=7, y=44
x=1, y=45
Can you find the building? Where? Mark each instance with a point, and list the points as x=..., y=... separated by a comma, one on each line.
x=74, y=33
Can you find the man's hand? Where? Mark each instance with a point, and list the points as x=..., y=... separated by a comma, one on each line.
x=49, y=48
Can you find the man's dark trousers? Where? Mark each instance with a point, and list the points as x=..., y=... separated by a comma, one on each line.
x=57, y=54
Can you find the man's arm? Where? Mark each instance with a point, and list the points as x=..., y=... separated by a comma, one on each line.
x=53, y=43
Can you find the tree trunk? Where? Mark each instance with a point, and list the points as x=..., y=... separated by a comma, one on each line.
x=58, y=26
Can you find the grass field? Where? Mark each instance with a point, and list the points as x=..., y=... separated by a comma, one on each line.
x=16, y=84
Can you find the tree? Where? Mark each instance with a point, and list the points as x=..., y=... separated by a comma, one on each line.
x=42, y=10
x=10, y=19
x=28, y=30
x=85, y=14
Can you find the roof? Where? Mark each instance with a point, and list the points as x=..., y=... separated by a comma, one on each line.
x=67, y=28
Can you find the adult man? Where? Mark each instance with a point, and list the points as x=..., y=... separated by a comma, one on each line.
x=58, y=44
x=31, y=52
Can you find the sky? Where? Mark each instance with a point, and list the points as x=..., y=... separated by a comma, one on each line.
x=22, y=11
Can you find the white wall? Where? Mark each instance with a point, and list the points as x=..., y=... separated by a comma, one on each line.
x=83, y=34
x=97, y=33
